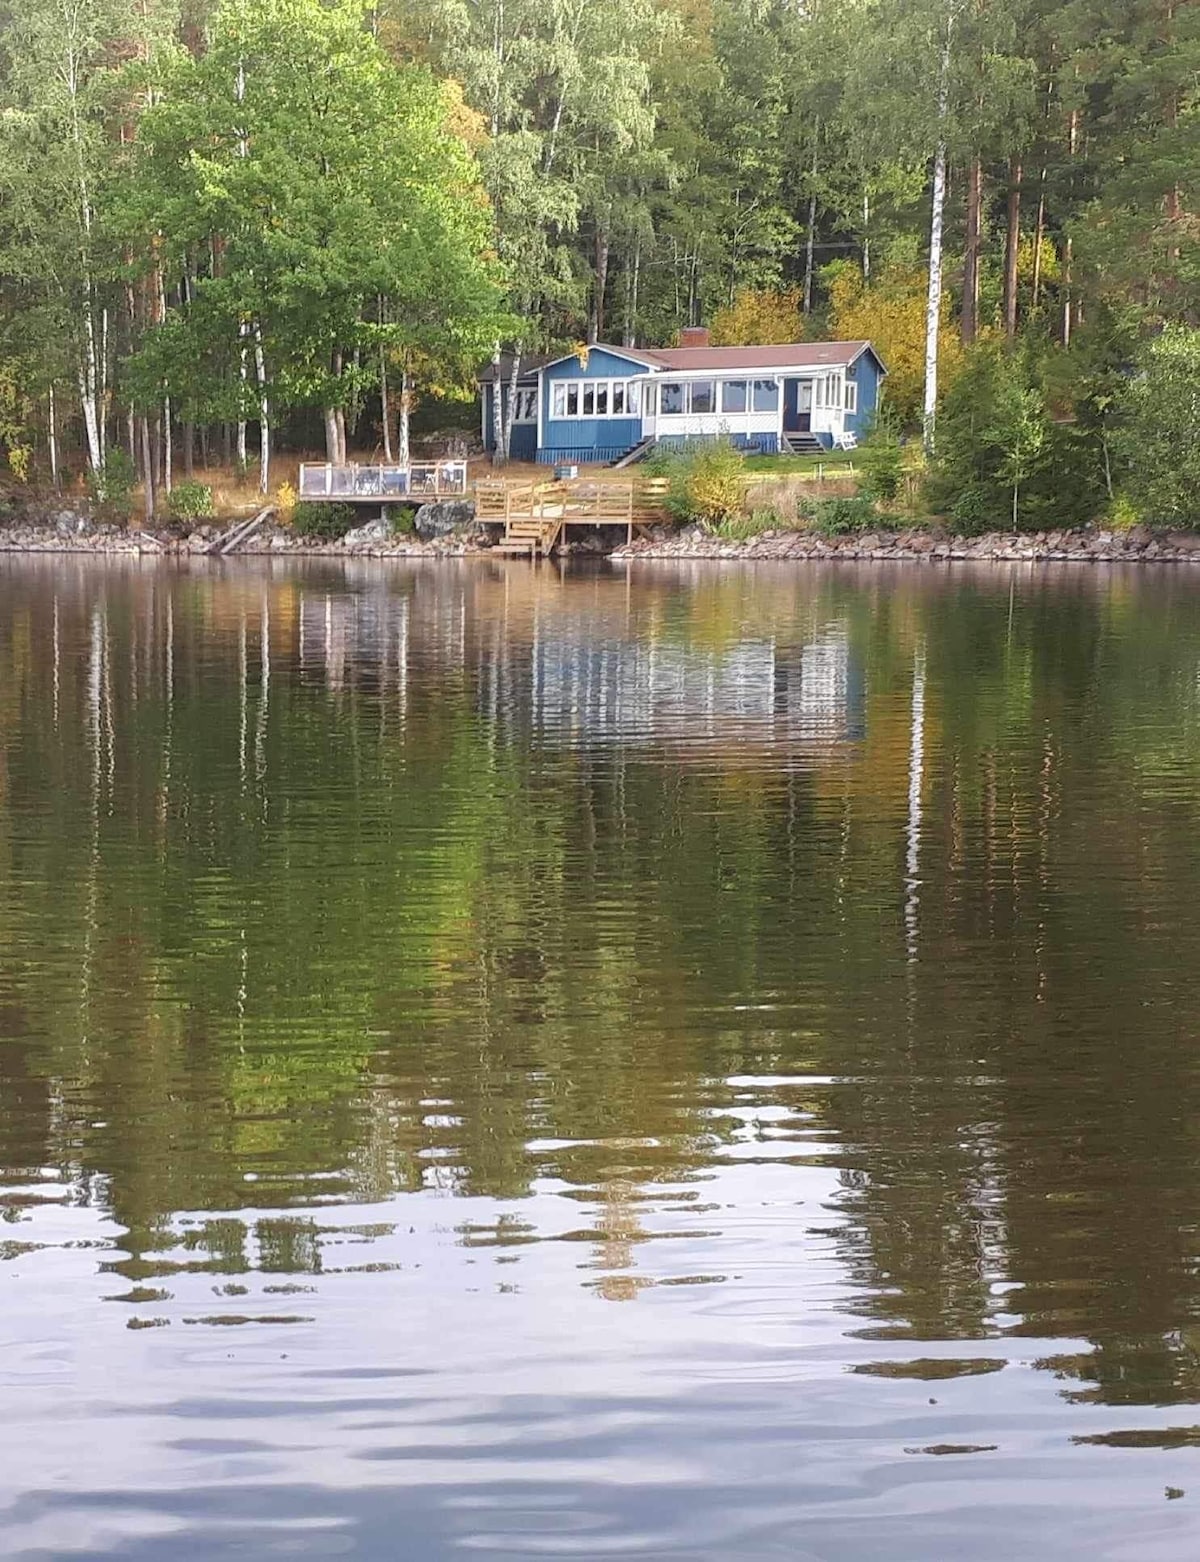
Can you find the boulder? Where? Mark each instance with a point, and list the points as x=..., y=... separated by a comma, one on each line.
x=441, y=517
x=70, y=523
x=372, y=532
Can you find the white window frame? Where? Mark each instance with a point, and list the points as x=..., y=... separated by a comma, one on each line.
x=765, y=382
x=526, y=405
x=850, y=398
x=682, y=387
x=693, y=411
x=586, y=395
x=744, y=386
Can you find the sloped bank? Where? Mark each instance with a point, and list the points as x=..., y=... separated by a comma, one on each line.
x=1141, y=545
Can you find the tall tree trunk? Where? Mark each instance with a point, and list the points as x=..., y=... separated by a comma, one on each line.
x=52, y=430
x=497, y=408
x=244, y=370
x=188, y=432
x=341, y=436
x=1012, y=248
x=168, y=447
x=933, y=304
x=1072, y=149
x=866, y=242
x=385, y=406
x=511, y=413
x=264, y=414
x=810, y=246
x=1039, y=238
x=403, y=447
x=332, y=451
x=600, y=285
x=974, y=237
x=629, y=334
x=147, y=469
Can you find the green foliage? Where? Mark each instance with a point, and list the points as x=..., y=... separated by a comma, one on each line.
x=740, y=528
x=1158, y=435
x=112, y=487
x=844, y=516
x=312, y=518
x=190, y=501
x=881, y=458
x=1000, y=459
x=707, y=480
x=1123, y=515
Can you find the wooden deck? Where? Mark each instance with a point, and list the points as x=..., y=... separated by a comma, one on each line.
x=537, y=516
x=355, y=484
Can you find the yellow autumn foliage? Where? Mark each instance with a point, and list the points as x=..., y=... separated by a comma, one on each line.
x=890, y=313
x=758, y=317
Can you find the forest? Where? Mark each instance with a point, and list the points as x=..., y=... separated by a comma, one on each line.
x=232, y=228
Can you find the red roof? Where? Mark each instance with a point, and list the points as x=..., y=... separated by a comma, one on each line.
x=783, y=355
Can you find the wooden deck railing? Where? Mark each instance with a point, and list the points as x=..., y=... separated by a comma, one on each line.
x=535, y=515
x=419, y=479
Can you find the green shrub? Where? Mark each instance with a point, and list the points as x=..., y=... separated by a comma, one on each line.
x=740, y=528
x=190, y=501
x=881, y=458
x=843, y=517
x=1002, y=459
x=1123, y=515
x=707, y=480
x=318, y=519
x=112, y=487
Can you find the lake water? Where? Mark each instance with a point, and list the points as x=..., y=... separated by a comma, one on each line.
x=701, y=1062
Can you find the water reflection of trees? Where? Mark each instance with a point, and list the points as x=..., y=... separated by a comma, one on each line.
x=382, y=880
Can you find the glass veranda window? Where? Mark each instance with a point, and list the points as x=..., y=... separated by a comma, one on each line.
x=672, y=399
x=766, y=395
x=733, y=396
x=704, y=396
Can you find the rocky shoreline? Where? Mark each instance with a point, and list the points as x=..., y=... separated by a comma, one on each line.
x=1140, y=545
x=72, y=533
x=69, y=532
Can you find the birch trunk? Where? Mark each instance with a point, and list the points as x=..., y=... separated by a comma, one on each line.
x=629, y=334
x=385, y=407
x=168, y=447
x=510, y=415
x=866, y=243
x=148, y=469
x=53, y=439
x=264, y=414
x=596, y=332
x=242, y=458
x=810, y=246
x=933, y=307
x=403, y=450
x=497, y=409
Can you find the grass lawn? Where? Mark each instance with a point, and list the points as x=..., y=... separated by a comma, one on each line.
x=830, y=461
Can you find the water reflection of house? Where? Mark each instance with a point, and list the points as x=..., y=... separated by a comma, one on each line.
x=633, y=691
x=575, y=671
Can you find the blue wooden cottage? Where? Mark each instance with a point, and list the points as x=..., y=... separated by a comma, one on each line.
x=602, y=403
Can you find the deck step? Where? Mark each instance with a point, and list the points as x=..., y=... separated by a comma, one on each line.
x=802, y=445
x=638, y=453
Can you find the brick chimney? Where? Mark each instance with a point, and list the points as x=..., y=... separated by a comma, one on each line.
x=694, y=336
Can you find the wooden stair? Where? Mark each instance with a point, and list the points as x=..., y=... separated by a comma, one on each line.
x=532, y=535
x=802, y=445
x=638, y=453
